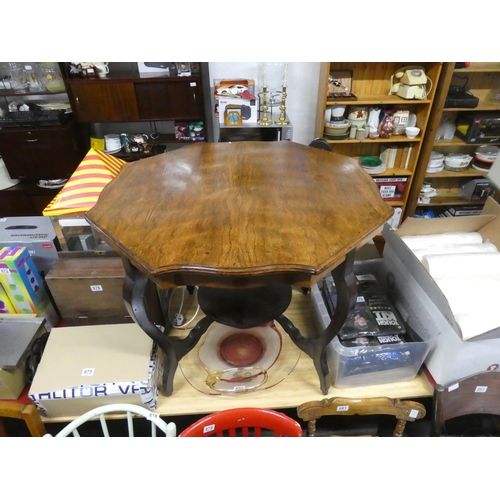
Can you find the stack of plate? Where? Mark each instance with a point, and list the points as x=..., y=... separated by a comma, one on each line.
x=436, y=163
x=372, y=164
x=485, y=157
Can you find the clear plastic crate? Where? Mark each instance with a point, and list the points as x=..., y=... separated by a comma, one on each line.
x=372, y=365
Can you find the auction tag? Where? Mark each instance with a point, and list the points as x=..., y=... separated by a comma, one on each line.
x=453, y=387
x=343, y=408
x=481, y=388
x=96, y=288
x=208, y=428
x=192, y=84
x=414, y=413
x=88, y=372
x=153, y=416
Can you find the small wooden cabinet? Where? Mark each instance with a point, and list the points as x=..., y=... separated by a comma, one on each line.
x=43, y=152
x=371, y=83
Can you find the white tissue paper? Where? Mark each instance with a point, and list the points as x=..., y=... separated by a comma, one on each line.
x=427, y=240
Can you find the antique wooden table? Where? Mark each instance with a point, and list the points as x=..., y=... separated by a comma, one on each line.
x=243, y=221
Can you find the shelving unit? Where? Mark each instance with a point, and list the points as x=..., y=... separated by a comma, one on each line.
x=483, y=77
x=125, y=95
x=371, y=83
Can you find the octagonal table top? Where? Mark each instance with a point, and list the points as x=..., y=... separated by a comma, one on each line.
x=239, y=214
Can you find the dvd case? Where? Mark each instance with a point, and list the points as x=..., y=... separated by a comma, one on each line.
x=373, y=314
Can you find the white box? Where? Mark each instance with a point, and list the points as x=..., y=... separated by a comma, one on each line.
x=251, y=104
x=451, y=358
x=154, y=68
x=84, y=367
x=363, y=366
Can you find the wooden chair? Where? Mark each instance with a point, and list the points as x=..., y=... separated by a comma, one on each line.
x=27, y=412
x=244, y=422
x=478, y=394
x=404, y=411
x=130, y=410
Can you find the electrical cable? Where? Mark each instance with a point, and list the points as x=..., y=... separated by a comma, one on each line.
x=179, y=314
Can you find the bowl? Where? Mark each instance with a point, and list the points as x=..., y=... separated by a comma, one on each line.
x=456, y=162
x=337, y=128
x=412, y=132
x=436, y=160
x=487, y=153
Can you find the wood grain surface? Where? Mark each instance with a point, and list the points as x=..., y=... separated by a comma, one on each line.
x=239, y=214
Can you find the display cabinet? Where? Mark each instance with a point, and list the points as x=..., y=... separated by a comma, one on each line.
x=371, y=83
x=39, y=138
x=482, y=79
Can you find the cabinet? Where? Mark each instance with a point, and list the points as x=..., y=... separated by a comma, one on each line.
x=482, y=79
x=371, y=83
x=127, y=96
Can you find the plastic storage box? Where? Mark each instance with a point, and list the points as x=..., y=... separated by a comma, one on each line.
x=372, y=365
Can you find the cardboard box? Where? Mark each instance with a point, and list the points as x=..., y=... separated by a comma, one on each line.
x=24, y=286
x=37, y=234
x=16, y=338
x=89, y=291
x=451, y=358
x=373, y=365
x=84, y=367
x=249, y=108
x=487, y=224
x=391, y=188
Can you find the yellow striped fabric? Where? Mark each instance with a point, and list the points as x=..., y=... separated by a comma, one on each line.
x=83, y=188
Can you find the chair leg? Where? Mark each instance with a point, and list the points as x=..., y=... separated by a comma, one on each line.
x=33, y=421
x=400, y=428
x=311, y=428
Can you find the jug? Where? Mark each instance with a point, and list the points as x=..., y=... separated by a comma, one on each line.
x=102, y=69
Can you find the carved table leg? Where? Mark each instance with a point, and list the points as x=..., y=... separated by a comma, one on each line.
x=345, y=283
x=138, y=296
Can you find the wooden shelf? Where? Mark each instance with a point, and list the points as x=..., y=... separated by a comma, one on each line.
x=456, y=141
x=394, y=138
x=480, y=67
x=449, y=197
x=472, y=172
x=365, y=100
x=482, y=106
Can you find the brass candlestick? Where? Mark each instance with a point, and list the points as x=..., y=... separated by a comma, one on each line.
x=282, y=119
x=265, y=119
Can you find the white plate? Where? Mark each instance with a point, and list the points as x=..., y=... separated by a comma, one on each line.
x=112, y=151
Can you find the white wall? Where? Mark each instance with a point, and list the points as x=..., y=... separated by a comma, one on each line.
x=302, y=91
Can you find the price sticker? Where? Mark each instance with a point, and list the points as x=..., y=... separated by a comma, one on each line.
x=153, y=416
x=208, y=428
x=414, y=413
x=88, y=372
x=387, y=191
x=4, y=270
x=343, y=408
x=239, y=387
x=96, y=288
x=481, y=388
x=453, y=387
x=192, y=84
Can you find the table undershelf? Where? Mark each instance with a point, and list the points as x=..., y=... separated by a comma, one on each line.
x=299, y=386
